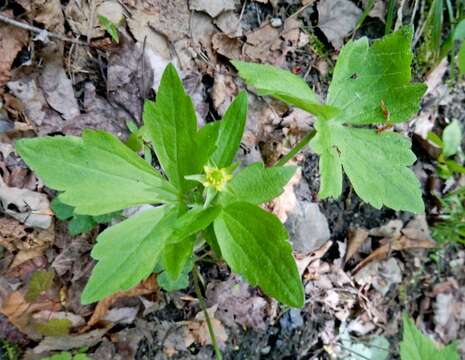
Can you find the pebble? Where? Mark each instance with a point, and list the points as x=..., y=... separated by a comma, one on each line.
x=276, y=22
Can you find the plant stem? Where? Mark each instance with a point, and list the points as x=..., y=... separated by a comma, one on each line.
x=300, y=145
x=203, y=306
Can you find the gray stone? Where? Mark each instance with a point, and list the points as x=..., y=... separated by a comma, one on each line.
x=308, y=227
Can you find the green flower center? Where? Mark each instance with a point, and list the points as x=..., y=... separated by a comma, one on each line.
x=216, y=178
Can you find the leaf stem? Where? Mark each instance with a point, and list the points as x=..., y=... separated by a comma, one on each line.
x=293, y=152
x=198, y=292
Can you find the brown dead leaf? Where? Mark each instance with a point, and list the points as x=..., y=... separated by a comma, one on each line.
x=355, y=241
x=197, y=330
x=19, y=311
x=64, y=343
x=396, y=237
x=212, y=8
x=12, y=41
x=147, y=286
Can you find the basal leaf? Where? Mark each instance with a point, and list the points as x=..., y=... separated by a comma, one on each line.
x=372, y=84
x=416, y=346
x=230, y=132
x=110, y=27
x=376, y=164
x=284, y=86
x=97, y=173
x=172, y=125
x=81, y=224
x=127, y=252
x=254, y=243
x=181, y=282
x=256, y=184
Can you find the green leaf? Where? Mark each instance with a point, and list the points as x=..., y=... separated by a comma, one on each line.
x=366, y=77
x=254, y=243
x=172, y=125
x=39, y=282
x=193, y=221
x=371, y=85
x=461, y=59
x=127, y=252
x=109, y=27
x=179, y=248
x=256, y=184
x=376, y=164
x=416, y=346
x=53, y=327
x=459, y=31
x=176, y=255
x=182, y=282
x=61, y=356
x=230, y=132
x=97, y=173
x=206, y=142
x=283, y=85
x=452, y=138
x=81, y=224
x=62, y=211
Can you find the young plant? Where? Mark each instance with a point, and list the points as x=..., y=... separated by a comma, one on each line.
x=451, y=146
x=199, y=196
x=370, y=86
x=451, y=227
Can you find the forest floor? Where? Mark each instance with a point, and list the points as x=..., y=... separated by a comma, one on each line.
x=355, y=292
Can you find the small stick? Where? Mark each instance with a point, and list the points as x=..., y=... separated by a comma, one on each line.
x=37, y=30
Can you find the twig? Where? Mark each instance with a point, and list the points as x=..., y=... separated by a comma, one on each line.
x=40, y=31
x=301, y=9
x=195, y=275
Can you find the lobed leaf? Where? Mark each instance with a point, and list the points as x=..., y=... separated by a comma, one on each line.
x=254, y=244
x=367, y=81
x=283, y=85
x=127, y=252
x=375, y=163
x=97, y=173
x=256, y=184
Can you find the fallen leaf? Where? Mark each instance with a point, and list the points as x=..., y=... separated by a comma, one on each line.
x=413, y=236
x=123, y=315
x=236, y=303
x=212, y=8
x=337, y=18
x=12, y=40
x=147, y=286
x=19, y=312
x=70, y=342
x=53, y=327
x=29, y=207
x=229, y=23
x=197, y=330
x=355, y=241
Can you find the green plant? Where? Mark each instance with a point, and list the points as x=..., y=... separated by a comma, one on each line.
x=416, y=346
x=67, y=356
x=109, y=27
x=451, y=227
x=450, y=145
x=370, y=86
x=78, y=224
x=200, y=191
x=8, y=350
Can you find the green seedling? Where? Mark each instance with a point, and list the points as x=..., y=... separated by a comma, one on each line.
x=199, y=196
x=416, y=346
x=448, y=161
x=370, y=86
x=110, y=28
x=451, y=227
